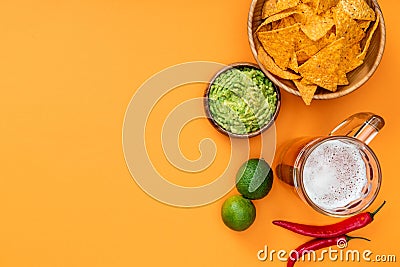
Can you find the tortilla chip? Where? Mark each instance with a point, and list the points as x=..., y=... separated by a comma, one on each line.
x=293, y=64
x=275, y=18
x=329, y=38
x=357, y=9
x=349, y=54
x=349, y=57
x=286, y=22
x=364, y=24
x=302, y=56
x=303, y=41
x=321, y=40
x=303, y=13
x=343, y=79
x=313, y=3
x=285, y=4
x=322, y=68
x=273, y=26
x=306, y=89
x=320, y=6
x=357, y=62
x=347, y=27
x=361, y=57
x=304, y=81
x=280, y=44
x=269, y=8
x=317, y=26
x=306, y=48
x=272, y=7
x=270, y=65
x=324, y=5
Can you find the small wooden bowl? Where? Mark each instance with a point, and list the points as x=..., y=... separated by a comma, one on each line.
x=226, y=132
x=356, y=77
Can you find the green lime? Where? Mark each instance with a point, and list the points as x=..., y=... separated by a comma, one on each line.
x=254, y=179
x=238, y=213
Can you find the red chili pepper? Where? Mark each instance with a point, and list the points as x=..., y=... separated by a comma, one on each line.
x=316, y=244
x=326, y=231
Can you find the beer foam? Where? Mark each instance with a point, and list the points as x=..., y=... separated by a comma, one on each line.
x=334, y=174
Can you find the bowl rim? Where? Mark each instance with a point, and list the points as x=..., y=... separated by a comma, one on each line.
x=328, y=95
x=226, y=132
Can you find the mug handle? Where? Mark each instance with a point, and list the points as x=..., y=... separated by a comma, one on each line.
x=363, y=126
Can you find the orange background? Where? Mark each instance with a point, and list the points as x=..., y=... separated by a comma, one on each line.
x=67, y=72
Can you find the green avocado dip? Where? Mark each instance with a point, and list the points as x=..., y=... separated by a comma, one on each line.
x=242, y=100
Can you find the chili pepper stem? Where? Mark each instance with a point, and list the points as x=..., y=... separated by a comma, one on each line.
x=378, y=209
x=348, y=238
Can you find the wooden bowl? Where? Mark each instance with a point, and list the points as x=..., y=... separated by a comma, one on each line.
x=226, y=132
x=356, y=77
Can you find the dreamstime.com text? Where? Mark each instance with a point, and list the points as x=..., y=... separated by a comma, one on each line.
x=331, y=254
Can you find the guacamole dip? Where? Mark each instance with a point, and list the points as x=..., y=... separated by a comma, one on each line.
x=242, y=100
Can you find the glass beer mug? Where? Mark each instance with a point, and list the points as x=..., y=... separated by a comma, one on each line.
x=338, y=175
